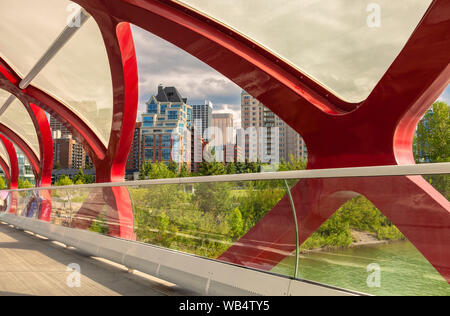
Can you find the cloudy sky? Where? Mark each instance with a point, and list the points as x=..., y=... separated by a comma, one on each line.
x=446, y=95
x=163, y=63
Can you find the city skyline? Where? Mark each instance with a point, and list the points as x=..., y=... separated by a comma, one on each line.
x=160, y=62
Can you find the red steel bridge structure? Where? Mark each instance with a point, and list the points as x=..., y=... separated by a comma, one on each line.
x=374, y=132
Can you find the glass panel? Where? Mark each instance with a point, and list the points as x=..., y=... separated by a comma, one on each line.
x=331, y=41
x=79, y=76
x=18, y=120
x=441, y=182
x=360, y=249
x=251, y=224
x=5, y=201
x=24, y=205
x=201, y=219
x=28, y=28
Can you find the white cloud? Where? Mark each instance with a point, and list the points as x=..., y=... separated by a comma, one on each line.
x=228, y=108
x=445, y=96
x=163, y=63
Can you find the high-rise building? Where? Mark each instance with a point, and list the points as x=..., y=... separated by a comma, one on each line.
x=88, y=162
x=25, y=169
x=256, y=115
x=224, y=123
x=58, y=129
x=252, y=112
x=68, y=153
x=134, y=157
x=203, y=113
x=164, y=128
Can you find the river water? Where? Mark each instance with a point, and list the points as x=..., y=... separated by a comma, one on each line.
x=403, y=270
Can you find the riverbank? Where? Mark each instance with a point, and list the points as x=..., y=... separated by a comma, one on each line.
x=360, y=239
x=364, y=239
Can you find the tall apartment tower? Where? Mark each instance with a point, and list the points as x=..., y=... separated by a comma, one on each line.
x=203, y=113
x=252, y=112
x=58, y=129
x=68, y=152
x=255, y=114
x=223, y=122
x=134, y=157
x=25, y=169
x=163, y=128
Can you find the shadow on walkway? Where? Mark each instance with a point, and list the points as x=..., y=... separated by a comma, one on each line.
x=30, y=265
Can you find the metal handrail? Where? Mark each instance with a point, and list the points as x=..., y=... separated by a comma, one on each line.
x=376, y=171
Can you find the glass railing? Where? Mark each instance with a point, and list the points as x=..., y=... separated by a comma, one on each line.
x=382, y=235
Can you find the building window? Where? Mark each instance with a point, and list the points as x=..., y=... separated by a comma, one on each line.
x=173, y=115
x=165, y=154
x=149, y=154
x=152, y=108
x=166, y=141
x=148, y=121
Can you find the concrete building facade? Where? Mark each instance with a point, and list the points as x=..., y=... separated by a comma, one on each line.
x=68, y=153
x=203, y=113
x=224, y=123
x=256, y=116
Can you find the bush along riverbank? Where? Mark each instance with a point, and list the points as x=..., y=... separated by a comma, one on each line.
x=357, y=222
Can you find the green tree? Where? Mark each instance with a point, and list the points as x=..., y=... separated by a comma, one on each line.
x=157, y=170
x=252, y=166
x=240, y=167
x=231, y=168
x=212, y=168
x=257, y=198
x=2, y=183
x=293, y=164
x=173, y=167
x=236, y=223
x=64, y=181
x=432, y=140
x=183, y=171
x=214, y=197
x=145, y=169
x=24, y=184
x=432, y=143
x=89, y=179
x=79, y=177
